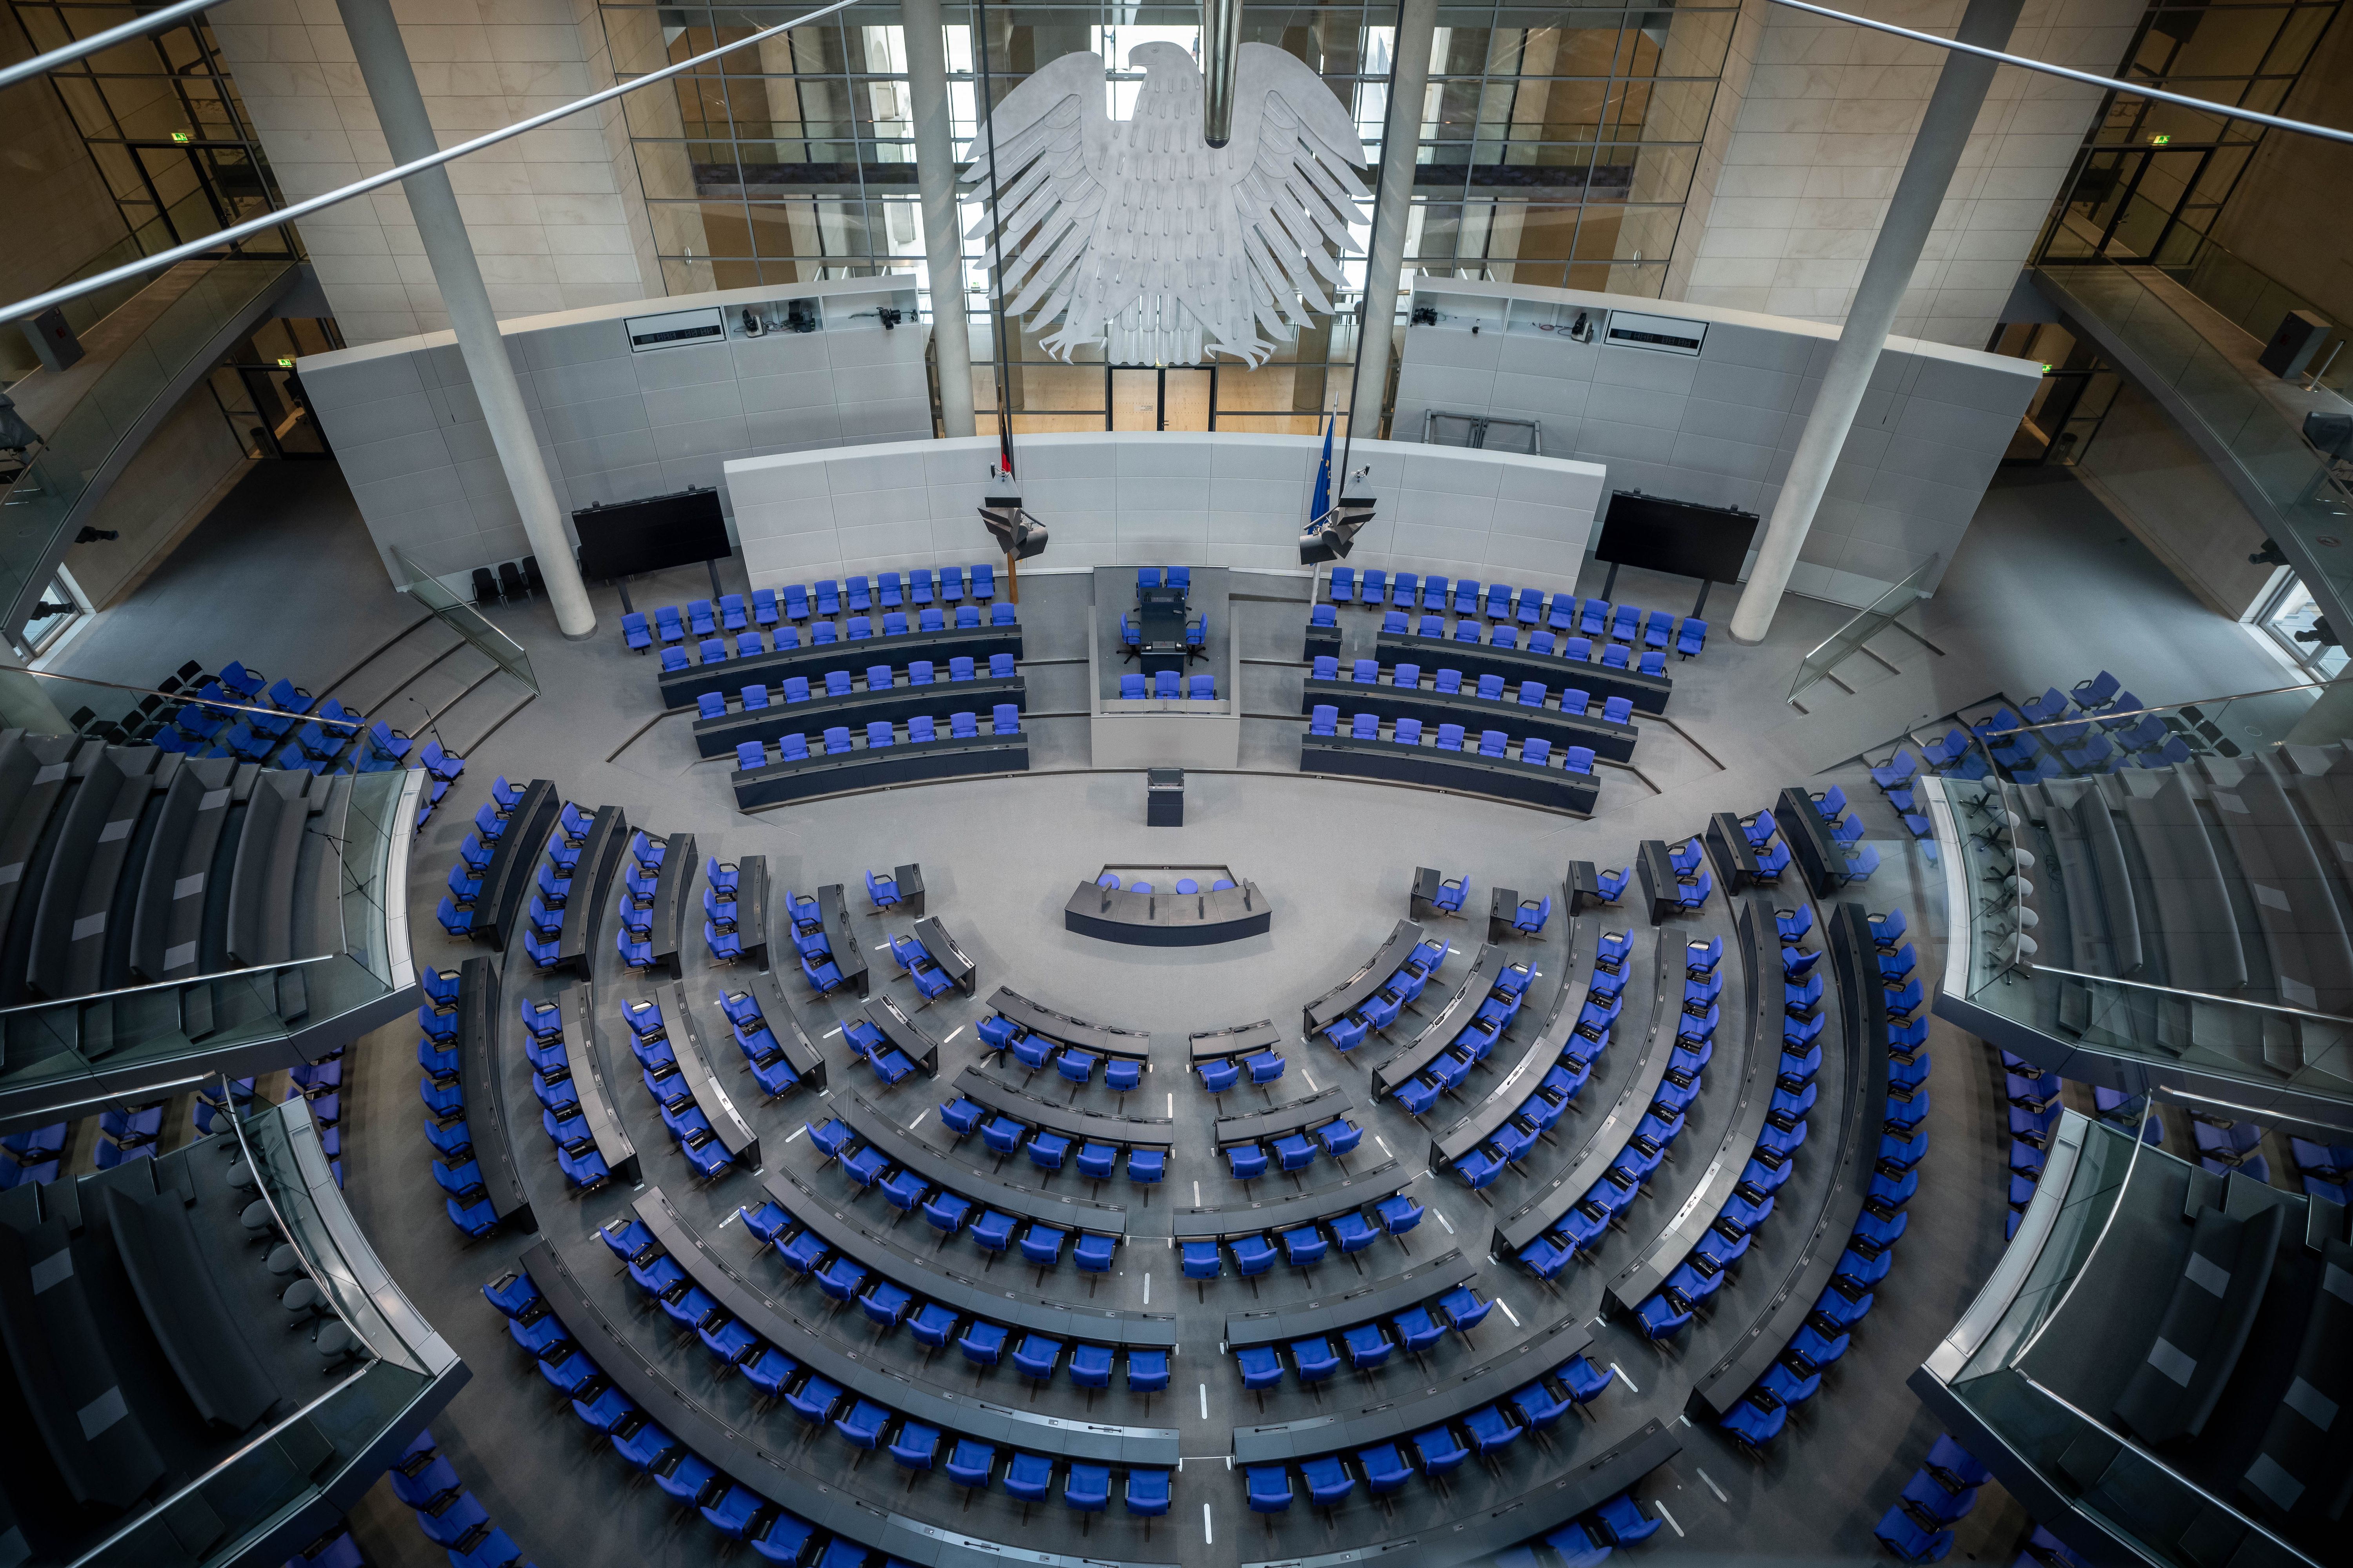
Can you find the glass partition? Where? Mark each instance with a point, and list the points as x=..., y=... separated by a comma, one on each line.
x=1868, y=623
x=284, y=1470
x=465, y=620
x=2258, y=426
x=43, y=501
x=2139, y=880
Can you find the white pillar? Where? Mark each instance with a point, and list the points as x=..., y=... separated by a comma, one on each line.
x=1400, y=143
x=400, y=109
x=1928, y=174
x=935, y=181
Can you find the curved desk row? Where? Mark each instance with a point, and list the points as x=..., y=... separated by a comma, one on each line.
x=34, y=770
x=586, y=906
x=947, y=954
x=840, y=938
x=1864, y=1036
x=1240, y=1040
x=1296, y=1117
x=1099, y=1037
x=1085, y=1126
x=1320, y=1206
x=945, y=1170
x=262, y=874
x=1167, y=919
x=1648, y=693
x=173, y=1278
x=1760, y=962
x=1517, y=719
x=892, y=704
x=679, y=867
x=814, y=662
x=1512, y=1090
x=776, y=1321
x=1439, y=1034
x=1536, y=1512
x=514, y=864
x=839, y=1227
x=595, y=1091
x=1607, y=1141
x=1367, y=1303
x=806, y=1061
x=694, y=1064
x=1551, y=787
x=168, y=926
x=483, y=1088
x=1394, y=1420
x=1351, y=993
x=879, y=767
x=741, y=1459
x=67, y=957
x=912, y=1039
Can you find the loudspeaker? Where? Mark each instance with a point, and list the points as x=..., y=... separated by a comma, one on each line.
x=2291, y=346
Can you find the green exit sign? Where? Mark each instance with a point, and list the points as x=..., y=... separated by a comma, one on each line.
x=2161, y=139
x=181, y=136
x=285, y=362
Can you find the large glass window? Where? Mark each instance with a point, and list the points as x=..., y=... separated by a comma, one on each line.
x=1557, y=147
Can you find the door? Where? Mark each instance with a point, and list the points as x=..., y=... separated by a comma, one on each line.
x=1135, y=399
x=1155, y=397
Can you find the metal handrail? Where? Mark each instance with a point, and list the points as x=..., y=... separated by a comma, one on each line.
x=191, y=698
x=2158, y=708
x=2182, y=991
x=246, y=973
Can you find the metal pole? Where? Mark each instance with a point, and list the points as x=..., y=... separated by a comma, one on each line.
x=1221, y=52
x=408, y=133
x=81, y=47
x=935, y=181
x=1392, y=205
x=1919, y=191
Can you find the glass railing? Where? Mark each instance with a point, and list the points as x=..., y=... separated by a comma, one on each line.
x=2187, y=915
x=1869, y=622
x=2262, y=437
x=2022, y=1376
x=179, y=342
x=464, y=619
x=121, y=1047
x=286, y=1469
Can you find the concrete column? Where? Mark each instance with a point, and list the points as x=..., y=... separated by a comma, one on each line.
x=1919, y=192
x=935, y=181
x=1401, y=141
x=408, y=133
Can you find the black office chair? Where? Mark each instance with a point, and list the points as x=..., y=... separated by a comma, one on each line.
x=486, y=587
x=537, y=583
x=510, y=582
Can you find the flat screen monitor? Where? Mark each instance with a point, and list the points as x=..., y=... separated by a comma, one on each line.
x=1674, y=536
x=633, y=536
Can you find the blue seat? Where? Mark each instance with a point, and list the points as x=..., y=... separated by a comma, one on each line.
x=1270, y=1487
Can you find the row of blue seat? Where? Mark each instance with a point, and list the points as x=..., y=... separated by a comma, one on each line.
x=1536, y=750
x=889, y=1305
x=1573, y=702
x=1386, y=1468
x=1378, y=1011
x=922, y=730
x=1581, y=1229
x=658, y=1068
x=999, y=1034
x=1524, y=607
x=1166, y=685
x=1704, y=1268
x=822, y=634
x=1048, y=1151
x=838, y=683
x=1940, y=1494
x=796, y=603
x=1574, y=650
x=441, y=1088
x=560, y=1116
x=451, y=1516
x=1368, y=1344
x=1861, y=858
x=1255, y=1252
x=1585, y=1542
x=1796, y=1375
x=1247, y=1159
x=948, y=1210
x=1471, y=1044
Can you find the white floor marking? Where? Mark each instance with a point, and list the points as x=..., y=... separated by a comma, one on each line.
x=918, y=1121
x=1172, y=1105
x=1668, y=1517
x=1712, y=1486
x=1196, y=1194
x=1204, y=1402
x=732, y=1216
x=797, y=1131
x=952, y=1033
x=1621, y=1373
x=830, y=1032
x=1312, y=1084
x=1450, y=1230
x=1148, y=1289
x=1385, y=1146
x=1207, y=1533
x=1509, y=1313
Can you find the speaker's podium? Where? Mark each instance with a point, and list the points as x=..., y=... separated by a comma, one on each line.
x=1163, y=797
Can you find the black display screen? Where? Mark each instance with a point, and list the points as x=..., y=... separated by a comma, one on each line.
x=1674, y=536
x=633, y=536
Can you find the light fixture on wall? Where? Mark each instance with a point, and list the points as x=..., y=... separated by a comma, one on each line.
x=1332, y=535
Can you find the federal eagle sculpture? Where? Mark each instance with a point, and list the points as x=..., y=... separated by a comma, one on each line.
x=1139, y=235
